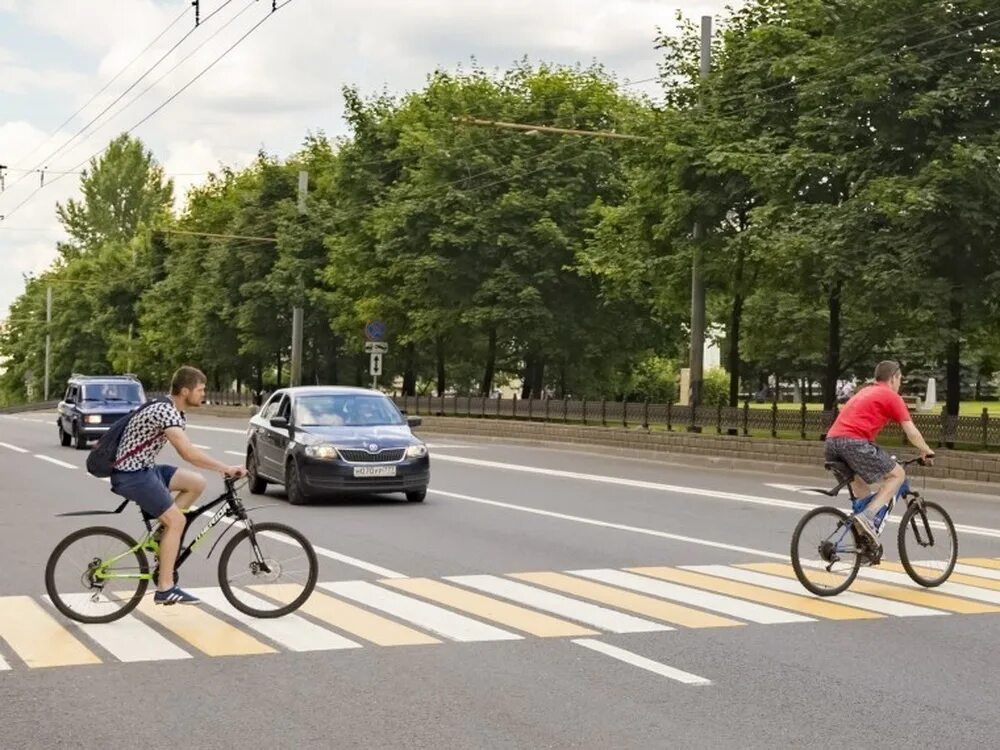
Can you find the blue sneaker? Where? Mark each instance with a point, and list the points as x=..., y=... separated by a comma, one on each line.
x=175, y=596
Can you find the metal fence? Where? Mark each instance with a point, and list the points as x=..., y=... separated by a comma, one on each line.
x=806, y=424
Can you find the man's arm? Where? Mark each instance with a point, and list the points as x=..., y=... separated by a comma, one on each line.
x=916, y=439
x=186, y=450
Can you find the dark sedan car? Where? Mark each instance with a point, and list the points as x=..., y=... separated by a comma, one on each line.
x=95, y=402
x=332, y=440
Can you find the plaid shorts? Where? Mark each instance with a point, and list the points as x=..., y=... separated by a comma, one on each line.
x=867, y=460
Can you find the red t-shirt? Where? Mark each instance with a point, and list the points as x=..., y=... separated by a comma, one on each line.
x=865, y=415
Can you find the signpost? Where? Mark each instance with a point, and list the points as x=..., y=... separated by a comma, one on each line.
x=376, y=347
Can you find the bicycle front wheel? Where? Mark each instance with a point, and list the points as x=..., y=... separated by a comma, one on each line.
x=928, y=545
x=98, y=574
x=825, y=554
x=268, y=570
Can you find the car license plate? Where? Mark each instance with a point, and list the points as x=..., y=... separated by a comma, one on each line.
x=374, y=471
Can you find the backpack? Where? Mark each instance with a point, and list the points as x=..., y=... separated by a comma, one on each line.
x=101, y=460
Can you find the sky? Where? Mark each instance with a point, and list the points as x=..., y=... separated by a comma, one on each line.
x=282, y=82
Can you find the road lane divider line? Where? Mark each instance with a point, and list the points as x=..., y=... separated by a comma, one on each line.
x=128, y=639
x=715, y=602
x=629, y=657
x=596, y=616
x=241, y=454
x=347, y=617
x=629, y=601
x=37, y=637
x=682, y=490
x=202, y=447
x=921, y=597
x=488, y=608
x=55, y=461
x=427, y=616
x=610, y=525
x=208, y=634
x=291, y=631
x=14, y=448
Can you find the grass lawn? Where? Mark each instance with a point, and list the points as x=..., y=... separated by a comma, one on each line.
x=967, y=408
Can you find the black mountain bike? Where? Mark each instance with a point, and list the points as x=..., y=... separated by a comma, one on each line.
x=100, y=574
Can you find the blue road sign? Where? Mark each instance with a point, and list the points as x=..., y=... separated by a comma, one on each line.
x=375, y=330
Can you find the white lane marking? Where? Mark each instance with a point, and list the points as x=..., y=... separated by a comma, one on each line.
x=14, y=448
x=128, y=639
x=801, y=489
x=971, y=570
x=573, y=609
x=55, y=461
x=680, y=490
x=427, y=616
x=618, y=526
x=324, y=552
x=291, y=631
x=241, y=454
x=3, y=664
x=851, y=598
x=706, y=600
x=11, y=417
x=217, y=429
x=642, y=662
x=957, y=589
x=202, y=447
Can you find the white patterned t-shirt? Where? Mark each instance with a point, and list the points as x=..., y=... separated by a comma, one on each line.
x=147, y=428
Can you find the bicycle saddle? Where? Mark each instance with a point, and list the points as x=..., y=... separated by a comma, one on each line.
x=842, y=471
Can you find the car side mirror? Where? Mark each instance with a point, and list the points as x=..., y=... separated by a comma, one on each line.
x=279, y=422
x=414, y=421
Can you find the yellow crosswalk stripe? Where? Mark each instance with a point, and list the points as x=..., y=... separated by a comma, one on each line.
x=983, y=583
x=658, y=609
x=347, y=617
x=488, y=608
x=885, y=590
x=37, y=637
x=981, y=562
x=804, y=604
x=208, y=634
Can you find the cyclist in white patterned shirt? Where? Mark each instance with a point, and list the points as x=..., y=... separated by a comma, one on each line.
x=138, y=477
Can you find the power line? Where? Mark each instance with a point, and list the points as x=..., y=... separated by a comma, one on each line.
x=276, y=7
x=122, y=95
x=104, y=88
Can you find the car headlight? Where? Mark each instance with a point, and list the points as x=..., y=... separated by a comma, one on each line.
x=92, y=419
x=416, y=451
x=323, y=450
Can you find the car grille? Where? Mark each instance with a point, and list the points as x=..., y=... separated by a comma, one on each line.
x=364, y=457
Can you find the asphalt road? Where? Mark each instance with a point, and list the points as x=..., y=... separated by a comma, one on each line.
x=501, y=613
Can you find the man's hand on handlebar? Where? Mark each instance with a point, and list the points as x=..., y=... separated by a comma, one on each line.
x=927, y=459
x=234, y=472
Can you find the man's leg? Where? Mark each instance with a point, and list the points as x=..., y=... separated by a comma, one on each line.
x=170, y=543
x=891, y=483
x=188, y=485
x=860, y=487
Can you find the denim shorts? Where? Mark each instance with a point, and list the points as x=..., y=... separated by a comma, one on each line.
x=147, y=488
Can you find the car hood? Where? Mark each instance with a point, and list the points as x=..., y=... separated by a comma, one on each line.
x=384, y=436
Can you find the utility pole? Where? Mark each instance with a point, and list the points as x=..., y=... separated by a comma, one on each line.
x=697, y=263
x=3, y=184
x=197, y=11
x=48, y=339
x=297, y=312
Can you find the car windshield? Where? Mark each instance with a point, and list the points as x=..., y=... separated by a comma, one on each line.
x=348, y=410
x=127, y=392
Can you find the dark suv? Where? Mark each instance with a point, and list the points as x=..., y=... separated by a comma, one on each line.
x=93, y=403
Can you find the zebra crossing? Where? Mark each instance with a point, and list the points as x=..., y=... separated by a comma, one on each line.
x=405, y=612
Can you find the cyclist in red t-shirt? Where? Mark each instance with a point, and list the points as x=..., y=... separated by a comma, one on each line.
x=852, y=440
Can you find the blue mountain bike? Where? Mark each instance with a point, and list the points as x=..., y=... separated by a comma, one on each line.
x=828, y=549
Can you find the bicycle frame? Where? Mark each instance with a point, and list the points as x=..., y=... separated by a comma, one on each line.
x=233, y=507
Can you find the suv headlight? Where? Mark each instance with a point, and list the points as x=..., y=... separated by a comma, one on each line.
x=416, y=451
x=92, y=419
x=323, y=451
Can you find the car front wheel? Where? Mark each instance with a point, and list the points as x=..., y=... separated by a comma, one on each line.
x=417, y=496
x=64, y=437
x=293, y=485
x=81, y=439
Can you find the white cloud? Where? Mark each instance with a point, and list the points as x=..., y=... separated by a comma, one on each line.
x=282, y=82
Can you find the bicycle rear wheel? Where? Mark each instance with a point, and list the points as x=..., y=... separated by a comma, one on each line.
x=279, y=586
x=97, y=574
x=928, y=545
x=825, y=551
